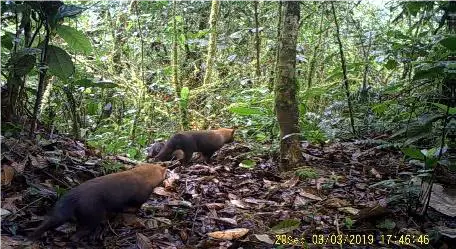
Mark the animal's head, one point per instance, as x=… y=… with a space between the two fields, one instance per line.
x=227 y=133
x=155 y=172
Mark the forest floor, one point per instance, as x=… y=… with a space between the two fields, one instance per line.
x=331 y=196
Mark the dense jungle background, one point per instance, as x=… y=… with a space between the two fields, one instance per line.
x=344 y=117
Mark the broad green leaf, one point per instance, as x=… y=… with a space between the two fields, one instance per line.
x=449 y=42
x=315 y=91
x=7 y=40
x=92 y=108
x=443 y=108
x=76 y=39
x=391 y=64
x=59 y=62
x=261 y=137
x=249 y=164
x=387 y=224
x=184 y=97
x=91 y=83
x=245 y=111
x=69 y=11
x=285 y=226
x=132 y=152
x=431 y=162
x=397 y=34
x=413 y=7
x=413 y=153
x=184 y=93
x=429 y=73
x=22 y=63
x=379 y=109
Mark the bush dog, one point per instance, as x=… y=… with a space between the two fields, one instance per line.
x=206 y=142
x=92 y=200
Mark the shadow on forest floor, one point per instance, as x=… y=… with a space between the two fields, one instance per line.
x=325 y=198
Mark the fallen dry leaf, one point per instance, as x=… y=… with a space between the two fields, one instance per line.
x=216 y=206
x=4 y=212
x=309 y=195
x=228 y=221
x=239 y=204
x=162 y=191
x=299 y=201
x=264 y=238
x=132 y=220
x=180 y=203
x=375 y=173
x=349 y=210
x=172 y=178
x=19 y=167
x=229 y=234
x=336 y=203
x=11 y=242
x=163 y=220
x=38 y=161
x=371 y=212
x=7 y=174
x=290 y=183
x=142 y=242
x=8 y=203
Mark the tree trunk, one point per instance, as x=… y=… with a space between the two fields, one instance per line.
x=286 y=89
x=177 y=83
x=74 y=112
x=313 y=60
x=211 y=53
x=276 y=62
x=257 y=42
x=344 y=70
x=42 y=78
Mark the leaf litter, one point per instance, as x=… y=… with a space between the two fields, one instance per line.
x=218 y=205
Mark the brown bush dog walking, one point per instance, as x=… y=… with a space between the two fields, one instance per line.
x=206 y=142
x=92 y=200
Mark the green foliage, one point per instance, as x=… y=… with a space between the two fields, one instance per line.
x=449 y=42
x=7 y=40
x=249 y=164
x=306 y=173
x=244 y=111
x=91 y=83
x=386 y=224
x=59 y=62
x=76 y=39
x=392 y=66
x=60 y=191
x=184 y=95
x=348 y=223
x=285 y=226
x=113 y=167
x=22 y=62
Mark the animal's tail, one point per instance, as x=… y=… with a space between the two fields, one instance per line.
x=62 y=212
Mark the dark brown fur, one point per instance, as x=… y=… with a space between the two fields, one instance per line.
x=93 y=199
x=206 y=142
x=155 y=148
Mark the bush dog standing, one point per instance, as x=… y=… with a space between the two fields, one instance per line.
x=92 y=200
x=206 y=142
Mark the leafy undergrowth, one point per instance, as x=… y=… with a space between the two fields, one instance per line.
x=330 y=195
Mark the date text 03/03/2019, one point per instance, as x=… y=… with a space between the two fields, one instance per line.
x=353 y=239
